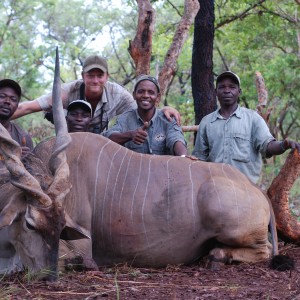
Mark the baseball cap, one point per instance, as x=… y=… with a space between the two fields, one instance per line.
x=229 y=74
x=12 y=84
x=95 y=62
x=146 y=77
x=84 y=104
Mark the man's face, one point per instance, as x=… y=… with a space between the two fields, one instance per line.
x=146 y=95
x=9 y=101
x=94 y=81
x=228 y=91
x=78 y=119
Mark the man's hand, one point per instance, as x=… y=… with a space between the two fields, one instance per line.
x=288 y=144
x=191 y=157
x=25 y=152
x=170 y=112
x=140 y=135
x=24 y=148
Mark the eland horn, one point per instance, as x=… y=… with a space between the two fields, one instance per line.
x=58 y=162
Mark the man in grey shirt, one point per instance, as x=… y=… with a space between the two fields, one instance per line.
x=146 y=129
x=236 y=135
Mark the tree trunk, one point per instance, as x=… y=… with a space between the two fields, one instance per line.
x=191 y=7
x=202 y=61
x=140 y=48
x=287 y=225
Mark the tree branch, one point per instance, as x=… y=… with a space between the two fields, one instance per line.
x=168 y=70
x=240 y=15
x=140 y=48
x=178 y=12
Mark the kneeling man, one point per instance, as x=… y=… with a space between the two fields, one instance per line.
x=146 y=129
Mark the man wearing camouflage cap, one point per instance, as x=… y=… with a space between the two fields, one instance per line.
x=146 y=129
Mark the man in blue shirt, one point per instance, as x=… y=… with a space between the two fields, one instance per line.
x=146 y=129
x=236 y=135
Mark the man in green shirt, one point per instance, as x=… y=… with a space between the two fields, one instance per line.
x=236 y=135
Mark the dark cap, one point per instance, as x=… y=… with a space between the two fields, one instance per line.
x=229 y=74
x=146 y=77
x=12 y=84
x=82 y=103
x=95 y=62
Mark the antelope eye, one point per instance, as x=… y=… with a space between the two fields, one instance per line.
x=29 y=226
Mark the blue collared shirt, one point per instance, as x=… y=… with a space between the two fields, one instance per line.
x=162 y=134
x=241 y=140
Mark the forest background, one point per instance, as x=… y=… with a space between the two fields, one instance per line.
x=249 y=36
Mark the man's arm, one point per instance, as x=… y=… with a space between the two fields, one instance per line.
x=26 y=108
x=174 y=138
x=201 y=148
x=171 y=112
x=279 y=147
x=42 y=103
x=180 y=149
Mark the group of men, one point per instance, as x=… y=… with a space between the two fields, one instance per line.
x=232 y=134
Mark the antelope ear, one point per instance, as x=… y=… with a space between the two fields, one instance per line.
x=8 y=214
x=73 y=231
x=7 y=217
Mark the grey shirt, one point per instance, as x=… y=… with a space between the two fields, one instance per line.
x=115 y=100
x=162 y=134
x=241 y=140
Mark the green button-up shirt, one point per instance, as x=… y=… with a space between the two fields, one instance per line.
x=241 y=140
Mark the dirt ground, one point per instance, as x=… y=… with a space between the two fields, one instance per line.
x=242 y=281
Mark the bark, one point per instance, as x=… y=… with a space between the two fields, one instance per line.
x=202 y=62
x=191 y=128
x=261 y=89
x=140 y=48
x=287 y=225
x=191 y=7
x=262 y=93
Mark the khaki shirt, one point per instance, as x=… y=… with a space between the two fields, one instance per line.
x=114 y=101
x=241 y=140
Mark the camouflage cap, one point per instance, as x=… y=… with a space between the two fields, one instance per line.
x=146 y=77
